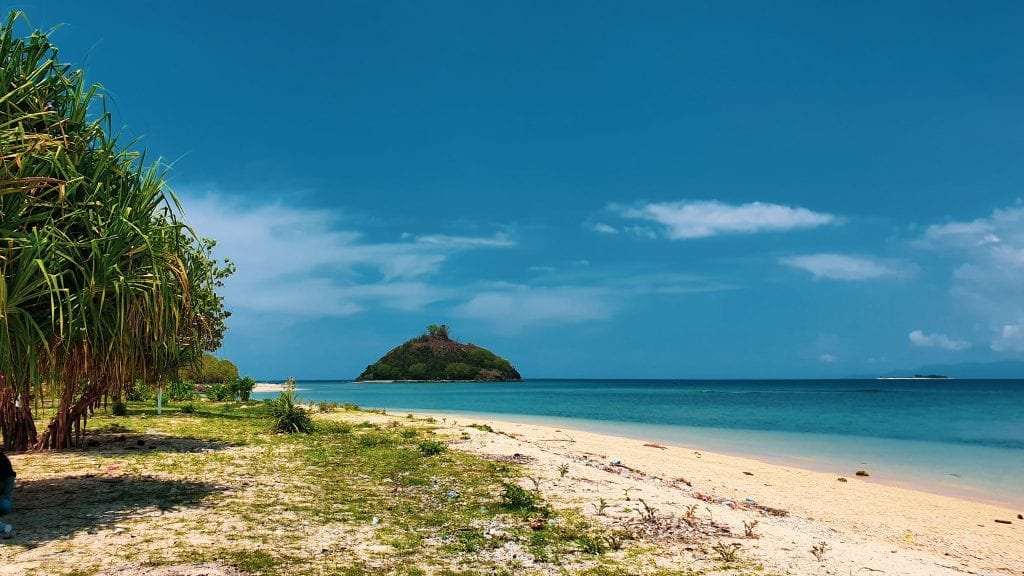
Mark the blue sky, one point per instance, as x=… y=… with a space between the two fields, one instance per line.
x=590 y=189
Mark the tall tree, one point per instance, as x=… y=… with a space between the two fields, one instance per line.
x=102 y=282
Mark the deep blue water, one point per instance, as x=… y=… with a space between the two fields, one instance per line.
x=955 y=435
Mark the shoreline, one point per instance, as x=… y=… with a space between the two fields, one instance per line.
x=866 y=524
x=878 y=473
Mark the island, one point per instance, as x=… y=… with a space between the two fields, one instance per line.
x=916 y=377
x=434 y=356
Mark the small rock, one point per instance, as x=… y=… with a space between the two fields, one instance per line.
x=1003 y=521
x=748 y=473
x=538 y=524
x=841 y=479
x=862 y=473
x=1020 y=516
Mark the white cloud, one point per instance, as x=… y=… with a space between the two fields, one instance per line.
x=510 y=308
x=828 y=359
x=702 y=219
x=583 y=298
x=988 y=275
x=604 y=228
x=1010 y=338
x=847 y=267
x=499 y=240
x=641 y=231
x=299 y=262
x=919 y=338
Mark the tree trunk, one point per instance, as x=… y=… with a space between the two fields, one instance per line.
x=16 y=423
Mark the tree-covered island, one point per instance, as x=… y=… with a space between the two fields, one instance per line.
x=435 y=356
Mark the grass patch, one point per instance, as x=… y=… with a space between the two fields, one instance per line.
x=351 y=497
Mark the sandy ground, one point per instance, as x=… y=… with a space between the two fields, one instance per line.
x=866 y=527
x=78 y=509
x=267 y=387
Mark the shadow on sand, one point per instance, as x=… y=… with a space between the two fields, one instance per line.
x=54 y=508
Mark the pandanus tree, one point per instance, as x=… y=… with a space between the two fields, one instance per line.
x=102 y=282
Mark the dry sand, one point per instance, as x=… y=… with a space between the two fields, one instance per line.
x=868 y=528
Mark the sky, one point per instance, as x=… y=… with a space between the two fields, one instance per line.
x=589 y=189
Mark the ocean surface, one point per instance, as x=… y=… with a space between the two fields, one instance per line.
x=958 y=437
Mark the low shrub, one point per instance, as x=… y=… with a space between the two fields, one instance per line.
x=118 y=408
x=287 y=416
x=181 y=390
x=241 y=388
x=220 y=392
x=432 y=447
x=515 y=498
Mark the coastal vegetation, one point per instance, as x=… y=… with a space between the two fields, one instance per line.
x=209 y=369
x=361 y=493
x=434 y=355
x=104 y=287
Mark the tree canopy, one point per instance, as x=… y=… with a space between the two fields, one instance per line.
x=435 y=356
x=102 y=281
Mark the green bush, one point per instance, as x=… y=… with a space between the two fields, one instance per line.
x=118 y=408
x=210 y=369
x=220 y=392
x=374 y=440
x=242 y=387
x=189 y=408
x=432 y=447
x=515 y=498
x=417 y=371
x=287 y=416
x=459 y=371
x=139 y=391
x=181 y=390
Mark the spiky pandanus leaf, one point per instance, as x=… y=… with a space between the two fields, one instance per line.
x=102 y=283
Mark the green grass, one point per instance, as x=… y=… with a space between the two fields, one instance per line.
x=387 y=483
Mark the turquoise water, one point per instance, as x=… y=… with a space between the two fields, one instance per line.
x=964 y=437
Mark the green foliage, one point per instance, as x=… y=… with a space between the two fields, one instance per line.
x=434 y=356
x=417 y=371
x=432 y=447
x=242 y=387
x=139 y=391
x=119 y=408
x=235 y=389
x=180 y=390
x=101 y=282
x=219 y=392
x=515 y=498
x=433 y=330
x=459 y=371
x=210 y=369
x=189 y=408
x=286 y=415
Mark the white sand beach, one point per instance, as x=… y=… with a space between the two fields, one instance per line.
x=860 y=526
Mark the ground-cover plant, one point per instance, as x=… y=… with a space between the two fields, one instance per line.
x=181 y=390
x=343 y=499
x=432 y=447
x=286 y=414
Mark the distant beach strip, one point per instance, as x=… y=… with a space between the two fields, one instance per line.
x=265 y=387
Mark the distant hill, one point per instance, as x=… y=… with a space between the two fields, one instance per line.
x=435 y=356
x=1006 y=369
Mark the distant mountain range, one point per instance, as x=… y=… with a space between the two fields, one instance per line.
x=1005 y=369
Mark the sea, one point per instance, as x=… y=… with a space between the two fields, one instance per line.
x=962 y=438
